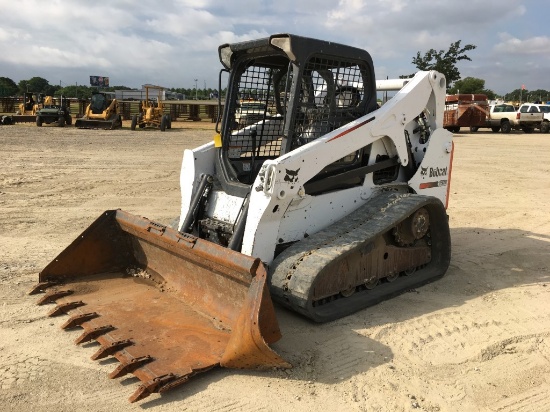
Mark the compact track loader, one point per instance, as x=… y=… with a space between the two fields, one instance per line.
x=328 y=204
x=151 y=113
x=102 y=113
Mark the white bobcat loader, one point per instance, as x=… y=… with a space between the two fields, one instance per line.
x=327 y=204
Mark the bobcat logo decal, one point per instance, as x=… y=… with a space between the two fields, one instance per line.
x=291 y=175
x=423 y=171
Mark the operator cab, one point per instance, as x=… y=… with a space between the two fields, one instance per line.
x=29 y=101
x=306 y=89
x=99 y=103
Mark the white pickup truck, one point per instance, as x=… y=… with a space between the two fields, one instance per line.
x=539 y=113
x=502 y=117
x=530 y=117
x=250 y=112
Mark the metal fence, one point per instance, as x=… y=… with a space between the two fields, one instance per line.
x=182 y=110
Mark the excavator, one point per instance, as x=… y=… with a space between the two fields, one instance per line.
x=152 y=113
x=102 y=113
x=326 y=205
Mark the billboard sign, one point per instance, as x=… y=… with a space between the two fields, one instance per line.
x=99 y=81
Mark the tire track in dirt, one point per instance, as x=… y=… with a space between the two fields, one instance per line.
x=467 y=342
x=537 y=399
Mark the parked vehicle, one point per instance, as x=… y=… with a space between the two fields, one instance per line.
x=152 y=112
x=102 y=113
x=536 y=110
x=59 y=114
x=328 y=206
x=503 y=118
x=249 y=112
x=26 y=112
x=465 y=110
x=530 y=117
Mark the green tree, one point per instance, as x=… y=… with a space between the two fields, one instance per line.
x=51 y=90
x=539 y=95
x=7 y=87
x=443 y=61
x=34 y=85
x=468 y=85
x=471 y=85
x=516 y=95
x=524 y=95
x=80 y=92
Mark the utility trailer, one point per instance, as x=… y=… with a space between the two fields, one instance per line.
x=465 y=110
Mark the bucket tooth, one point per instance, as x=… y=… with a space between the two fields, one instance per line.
x=78 y=319
x=152 y=386
x=130 y=366
x=176 y=382
x=53 y=295
x=65 y=307
x=107 y=350
x=94 y=333
x=41 y=287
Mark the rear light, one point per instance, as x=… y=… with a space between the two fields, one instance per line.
x=517 y=116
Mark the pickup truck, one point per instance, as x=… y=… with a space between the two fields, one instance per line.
x=502 y=117
x=250 y=112
x=536 y=111
x=530 y=117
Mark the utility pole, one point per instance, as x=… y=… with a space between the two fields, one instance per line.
x=196 y=88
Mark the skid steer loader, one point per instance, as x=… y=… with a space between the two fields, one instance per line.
x=328 y=204
x=102 y=113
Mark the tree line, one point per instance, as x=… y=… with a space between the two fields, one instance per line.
x=37 y=85
x=444 y=61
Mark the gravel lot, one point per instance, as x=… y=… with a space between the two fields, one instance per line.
x=476 y=340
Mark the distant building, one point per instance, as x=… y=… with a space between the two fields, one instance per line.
x=135 y=94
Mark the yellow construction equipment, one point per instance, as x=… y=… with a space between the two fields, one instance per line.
x=102 y=113
x=152 y=112
x=32 y=102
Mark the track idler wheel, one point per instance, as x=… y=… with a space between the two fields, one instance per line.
x=372 y=283
x=392 y=277
x=348 y=292
x=413 y=228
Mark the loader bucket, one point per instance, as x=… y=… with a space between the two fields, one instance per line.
x=165 y=304
x=112 y=123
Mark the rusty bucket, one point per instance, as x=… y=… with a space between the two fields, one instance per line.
x=166 y=305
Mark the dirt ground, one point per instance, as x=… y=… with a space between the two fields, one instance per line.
x=476 y=340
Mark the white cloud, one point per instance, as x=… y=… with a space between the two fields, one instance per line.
x=175 y=41
x=539 y=45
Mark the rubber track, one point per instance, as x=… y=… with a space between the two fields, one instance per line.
x=293 y=273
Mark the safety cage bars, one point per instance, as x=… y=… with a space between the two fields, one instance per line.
x=329 y=96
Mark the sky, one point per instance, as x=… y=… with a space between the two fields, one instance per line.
x=174 y=43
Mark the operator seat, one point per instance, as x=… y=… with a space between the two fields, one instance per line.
x=99 y=103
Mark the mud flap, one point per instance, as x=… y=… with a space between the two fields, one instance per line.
x=166 y=305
